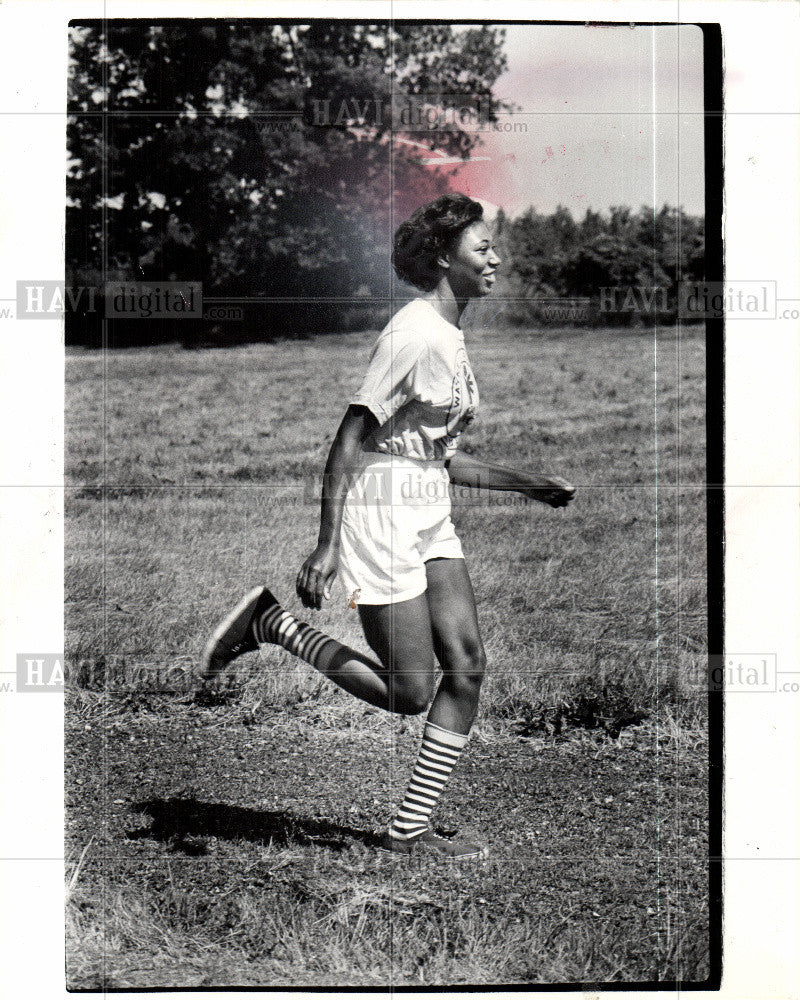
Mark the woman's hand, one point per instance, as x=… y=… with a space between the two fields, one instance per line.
x=316 y=576
x=554 y=491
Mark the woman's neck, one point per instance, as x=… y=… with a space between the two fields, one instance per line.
x=445 y=303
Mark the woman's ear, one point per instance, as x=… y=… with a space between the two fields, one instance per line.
x=443 y=261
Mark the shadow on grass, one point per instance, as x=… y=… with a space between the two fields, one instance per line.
x=183 y=823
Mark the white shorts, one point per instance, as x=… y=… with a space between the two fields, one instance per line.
x=396 y=518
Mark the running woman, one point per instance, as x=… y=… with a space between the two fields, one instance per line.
x=385 y=522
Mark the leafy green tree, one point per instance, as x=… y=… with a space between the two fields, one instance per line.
x=258 y=158
x=537 y=246
x=641 y=255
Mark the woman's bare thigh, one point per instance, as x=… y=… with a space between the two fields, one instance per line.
x=400 y=635
x=454 y=618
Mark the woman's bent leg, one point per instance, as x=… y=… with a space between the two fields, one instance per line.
x=400 y=636
x=401 y=681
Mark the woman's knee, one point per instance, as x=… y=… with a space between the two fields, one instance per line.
x=412 y=695
x=465 y=671
x=413 y=676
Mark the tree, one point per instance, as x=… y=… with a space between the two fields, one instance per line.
x=261 y=159
x=538 y=248
x=639 y=257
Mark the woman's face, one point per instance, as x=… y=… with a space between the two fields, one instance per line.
x=472 y=263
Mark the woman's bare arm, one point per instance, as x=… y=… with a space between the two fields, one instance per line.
x=466 y=470
x=319 y=570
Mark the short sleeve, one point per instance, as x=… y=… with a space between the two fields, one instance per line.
x=397 y=373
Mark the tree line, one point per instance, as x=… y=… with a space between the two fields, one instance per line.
x=624 y=266
x=270 y=164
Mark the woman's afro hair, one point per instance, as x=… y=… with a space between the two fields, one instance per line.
x=431 y=231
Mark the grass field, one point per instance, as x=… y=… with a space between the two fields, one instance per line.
x=594 y=620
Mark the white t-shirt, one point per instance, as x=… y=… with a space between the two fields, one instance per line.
x=419 y=385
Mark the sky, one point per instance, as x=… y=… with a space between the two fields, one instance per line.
x=598 y=122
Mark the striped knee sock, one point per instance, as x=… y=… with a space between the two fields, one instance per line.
x=437 y=757
x=279 y=627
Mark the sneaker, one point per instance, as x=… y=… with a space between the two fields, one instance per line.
x=235 y=634
x=451 y=848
